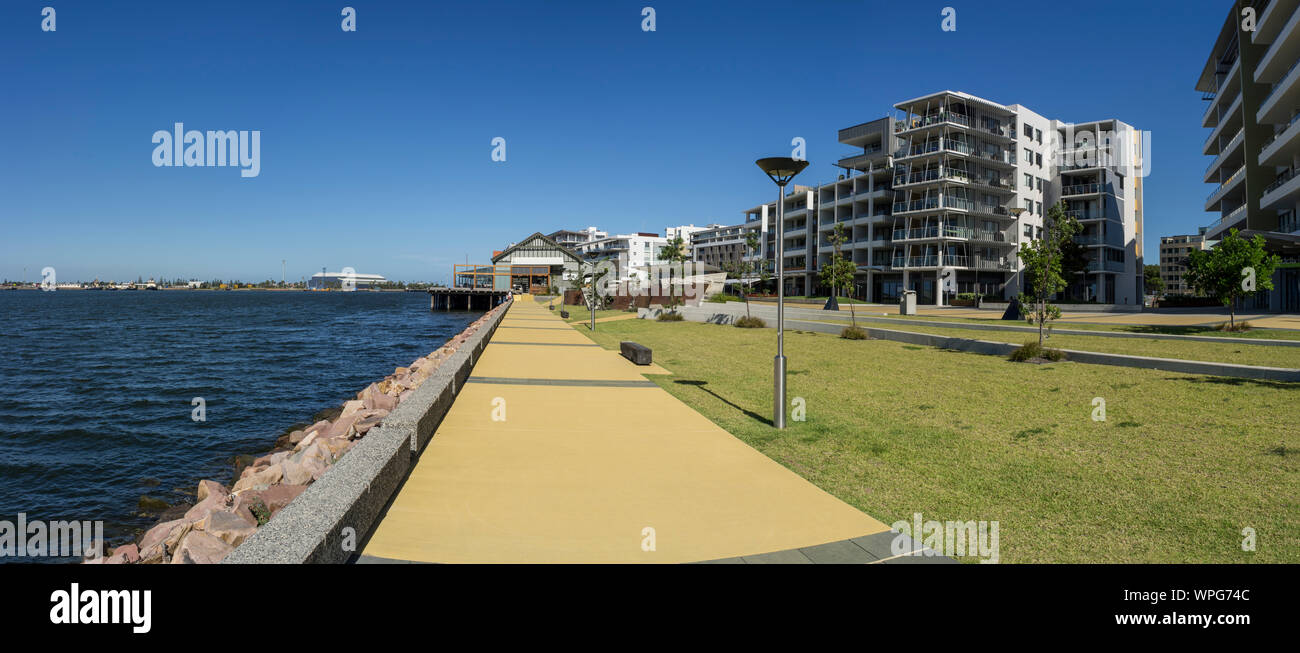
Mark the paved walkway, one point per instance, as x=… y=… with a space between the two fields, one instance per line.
x=590 y=456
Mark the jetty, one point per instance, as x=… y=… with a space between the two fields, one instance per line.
x=466 y=299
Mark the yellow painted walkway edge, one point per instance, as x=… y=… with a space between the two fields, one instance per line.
x=548 y=462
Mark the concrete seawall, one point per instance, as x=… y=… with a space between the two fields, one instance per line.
x=328 y=521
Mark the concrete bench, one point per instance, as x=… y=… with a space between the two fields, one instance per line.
x=639 y=354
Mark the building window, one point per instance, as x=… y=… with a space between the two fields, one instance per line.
x=1029 y=156
x=1038 y=160
x=1038 y=135
x=1029 y=181
x=1039 y=209
x=1029 y=231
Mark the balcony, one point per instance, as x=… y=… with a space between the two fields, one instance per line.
x=1081 y=189
x=1227 y=150
x=952 y=260
x=1217 y=194
x=874 y=157
x=1283 y=190
x=1278 y=148
x=1282 y=98
x=1272 y=20
x=1211 y=143
x=1226 y=222
x=1283 y=49
x=1105 y=266
x=951 y=174
x=941 y=118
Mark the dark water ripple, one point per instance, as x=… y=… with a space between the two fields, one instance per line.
x=95 y=386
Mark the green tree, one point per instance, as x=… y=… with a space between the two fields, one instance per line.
x=1151 y=280
x=746 y=267
x=839 y=272
x=1041 y=259
x=675 y=254
x=1233 y=269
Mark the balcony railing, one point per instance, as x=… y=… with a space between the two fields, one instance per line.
x=1232 y=142
x=1105 y=266
x=936 y=119
x=953 y=260
x=1226 y=182
x=1284 y=130
x=1286 y=176
x=1081 y=189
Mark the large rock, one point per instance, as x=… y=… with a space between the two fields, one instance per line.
x=267 y=477
x=200 y=547
x=295 y=473
x=231 y=528
x=174 y=539
x=201 y=509
x=152 y=542
x=127 y=552
x=279 y=496
x=343 y=426
x=351 y=407
x=374 y=399
x=209 y=488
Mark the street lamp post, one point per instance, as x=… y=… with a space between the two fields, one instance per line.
x=781 y=170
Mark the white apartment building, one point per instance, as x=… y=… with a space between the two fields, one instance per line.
x=687 y=234
x=1252 y=84
x=939 y=198
x=576 y=240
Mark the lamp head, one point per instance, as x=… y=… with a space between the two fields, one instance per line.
x=781 y=169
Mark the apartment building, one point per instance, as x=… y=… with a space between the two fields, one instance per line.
x=1174 y=251
x=687 y=234
x=1251 y=82
x=632 y=250
x=576 y=240
x=720 y=245
x=938 y=199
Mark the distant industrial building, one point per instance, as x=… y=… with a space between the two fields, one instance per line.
x=335 y=281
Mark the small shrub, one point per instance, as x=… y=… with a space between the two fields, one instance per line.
x=670 y=317
x=1032 y=351
x=854 y=333
x=1238 y=327
x=750 y=322
x=260 y=512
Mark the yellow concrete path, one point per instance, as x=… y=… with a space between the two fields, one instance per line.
x=590 y=456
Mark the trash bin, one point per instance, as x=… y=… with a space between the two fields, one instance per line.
x=907 y=303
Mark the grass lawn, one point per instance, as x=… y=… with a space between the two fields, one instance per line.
x=1268 y=334
x=581 y=314
x=1179 y=467
x=1218 y=352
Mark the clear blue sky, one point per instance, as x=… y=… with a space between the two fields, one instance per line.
x=376 y=145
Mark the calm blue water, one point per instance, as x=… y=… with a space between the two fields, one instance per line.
x=96 y=386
